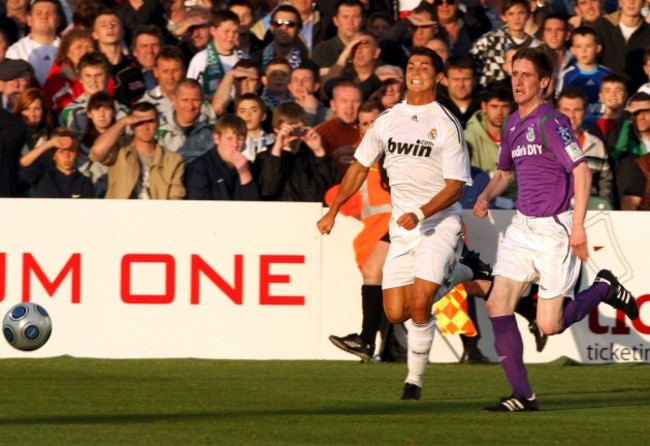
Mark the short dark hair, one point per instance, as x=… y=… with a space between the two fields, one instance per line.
x=101 y=99
x=278 y=61
x=436 y=60
x=94 y=59
x=573 y=92
x=106 y=11
x=170 y=52
x=250 y=97
x=144 y=106
x=613 y=78
x=288 y=111
x=310 y=66
x=248 y=63
x=540 y=59
x=221 y=16
x=350 y=3
x=584 y=31
x=507 y=4
x=498 y=90
x=232 y=122
x=370 y=105
x=148 y=30
x=460 y=63
x=555 y=16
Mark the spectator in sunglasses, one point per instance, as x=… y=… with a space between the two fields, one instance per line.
x=286 y=43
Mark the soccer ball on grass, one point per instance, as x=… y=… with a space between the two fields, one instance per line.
x=27 y=326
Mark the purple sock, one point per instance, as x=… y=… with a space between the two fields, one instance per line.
x=576 y=309
x=510 y=348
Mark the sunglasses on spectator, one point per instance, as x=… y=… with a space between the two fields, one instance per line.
x=287 y=23
x=440 y=2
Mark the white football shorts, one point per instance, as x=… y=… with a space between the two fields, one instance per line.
x=537 y=250
x=433 y=259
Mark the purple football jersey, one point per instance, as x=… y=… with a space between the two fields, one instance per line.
x=544 y=151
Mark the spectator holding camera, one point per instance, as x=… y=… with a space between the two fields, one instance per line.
x=223 y=173
x=141 y=168
x=297 y=168
x=50 y=168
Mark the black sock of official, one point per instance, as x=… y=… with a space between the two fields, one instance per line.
x=372 y=305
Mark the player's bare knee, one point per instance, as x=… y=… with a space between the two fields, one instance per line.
x=549 y=327
x=395 y=316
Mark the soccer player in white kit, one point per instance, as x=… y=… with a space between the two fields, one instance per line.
x=546 y=239
x=427 y=164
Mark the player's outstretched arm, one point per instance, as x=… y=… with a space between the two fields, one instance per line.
x=352 y=181
x=581 y=191
x=497 y=185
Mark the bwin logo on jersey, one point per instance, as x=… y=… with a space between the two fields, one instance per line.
x=420 y=148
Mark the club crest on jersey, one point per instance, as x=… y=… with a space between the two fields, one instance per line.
x=414 y=118
x=530 y=134
x=564 y=133
x=574 y=151
x=433 y=133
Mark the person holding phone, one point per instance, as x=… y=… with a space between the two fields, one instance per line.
x=297 y=168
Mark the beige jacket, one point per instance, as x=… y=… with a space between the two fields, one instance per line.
x=165 y=175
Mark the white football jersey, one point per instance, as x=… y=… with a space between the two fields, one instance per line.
x=424 y=145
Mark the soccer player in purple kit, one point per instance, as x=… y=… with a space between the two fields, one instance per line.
x=546 y=239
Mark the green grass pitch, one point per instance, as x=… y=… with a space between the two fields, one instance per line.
x=68 y=401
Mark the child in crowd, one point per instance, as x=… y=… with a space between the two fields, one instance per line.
x=276 y=83
x=223 y=173
x=250 y=107
x=613 y=94
x=101 y=115
x=94 y=74
x=54 y=175
x=297 y=168
x=489 y=50
x=586 y=73
x=210 y=65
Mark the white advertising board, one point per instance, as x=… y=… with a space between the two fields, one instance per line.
x=234 y=280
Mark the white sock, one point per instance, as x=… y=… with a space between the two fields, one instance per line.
x=420 y=338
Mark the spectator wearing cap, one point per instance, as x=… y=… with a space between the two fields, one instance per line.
x=348 y=21
x=15 y=77
x=39 y=48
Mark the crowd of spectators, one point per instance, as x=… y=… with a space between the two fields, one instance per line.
x=259 y=99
